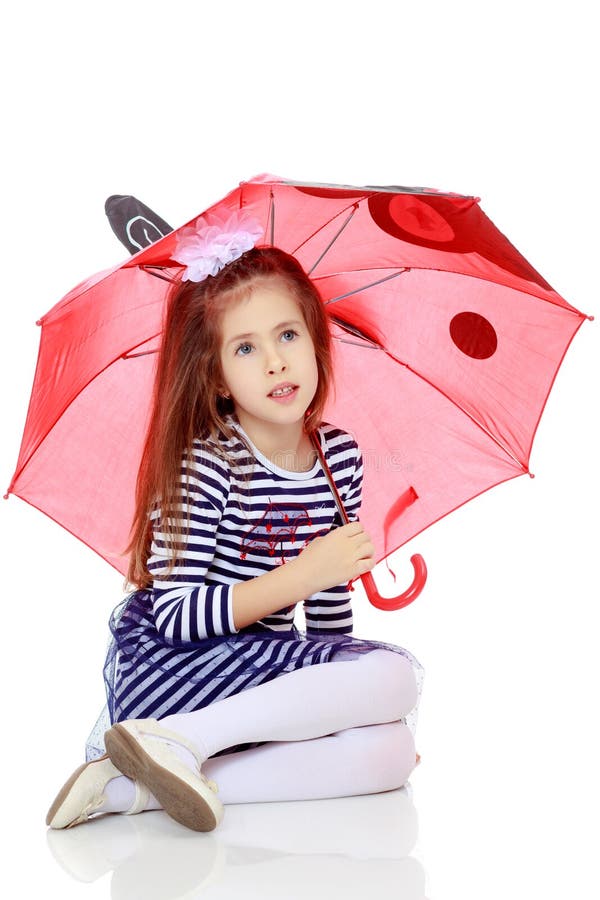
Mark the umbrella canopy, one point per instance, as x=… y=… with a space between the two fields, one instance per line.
x=446 y=345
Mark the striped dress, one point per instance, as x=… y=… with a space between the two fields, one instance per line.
x=174 y=646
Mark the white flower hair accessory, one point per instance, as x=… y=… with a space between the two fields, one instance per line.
x=214 y=241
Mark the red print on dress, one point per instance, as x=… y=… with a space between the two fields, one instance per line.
x=277 y=527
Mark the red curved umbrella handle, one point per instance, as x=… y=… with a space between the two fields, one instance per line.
x=418 y=563
x=410 y=594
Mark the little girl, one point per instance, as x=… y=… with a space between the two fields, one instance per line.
x=210 y=685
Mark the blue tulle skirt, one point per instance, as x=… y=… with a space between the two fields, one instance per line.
x=145 y=677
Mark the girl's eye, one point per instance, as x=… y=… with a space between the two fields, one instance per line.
x=246 y=344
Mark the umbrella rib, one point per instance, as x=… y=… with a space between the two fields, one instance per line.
x=149 y=270
x=353 y=206
x=521 y=289
x=362 y=344
x=127 y=354
x=271 y=217
x=135 y=355
x=366 y=286
x=333 y=239
x=565 y=306
x=366 y=340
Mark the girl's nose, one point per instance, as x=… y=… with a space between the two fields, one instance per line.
x=275 y=359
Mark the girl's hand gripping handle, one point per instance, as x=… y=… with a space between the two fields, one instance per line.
x=340 y=556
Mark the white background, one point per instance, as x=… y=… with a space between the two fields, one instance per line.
x=176 y=103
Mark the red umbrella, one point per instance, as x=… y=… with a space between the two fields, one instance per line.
x=446 y=343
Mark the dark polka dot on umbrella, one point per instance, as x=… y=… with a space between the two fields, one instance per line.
x=426 y=221
x=420 y=219
x=474 y=335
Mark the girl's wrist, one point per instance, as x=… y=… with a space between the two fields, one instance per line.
x=299 y=570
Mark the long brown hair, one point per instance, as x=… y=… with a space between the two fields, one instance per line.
x=186 y=404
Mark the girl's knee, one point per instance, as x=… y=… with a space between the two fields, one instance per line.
x=384 y=754
x=398 y=755
x=395 y=681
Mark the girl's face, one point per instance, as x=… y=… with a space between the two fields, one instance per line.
x=277 y=347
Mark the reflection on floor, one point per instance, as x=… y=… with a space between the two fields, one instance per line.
x=348 y=846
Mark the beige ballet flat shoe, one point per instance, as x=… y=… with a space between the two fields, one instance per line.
x=184 y=793
x=83 y=794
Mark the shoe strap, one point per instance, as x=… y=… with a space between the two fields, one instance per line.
x=152 y=726
x=142 y=795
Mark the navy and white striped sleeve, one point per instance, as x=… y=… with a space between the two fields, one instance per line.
x=186 y=607
x=353 y=498
x=331 y=610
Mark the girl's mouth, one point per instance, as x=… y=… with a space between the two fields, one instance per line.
x=285 y=398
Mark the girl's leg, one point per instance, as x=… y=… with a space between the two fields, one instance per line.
x=364 y=760
x=377 y=687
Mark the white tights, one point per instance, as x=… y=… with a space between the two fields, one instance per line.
x=332 y=728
